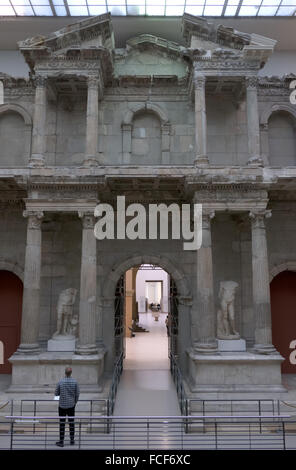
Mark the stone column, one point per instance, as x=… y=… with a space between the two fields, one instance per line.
x=92 y=119
x=200 y=121
x=126 y=143
x=39 y=124
x=253 y=121
x=261 y=290
x=88 y=281
x=205 y=321
x=165 y=143
x=31 y=293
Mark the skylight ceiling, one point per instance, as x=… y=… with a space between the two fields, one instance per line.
x=227 y=8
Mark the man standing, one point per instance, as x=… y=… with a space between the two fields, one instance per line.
x=68 y=391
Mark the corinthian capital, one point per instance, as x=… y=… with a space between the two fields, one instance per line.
x=252 y=82
x=93 y=81
x=40 y=81
x=258 y=217
x=199 y=81
x=88 y=219
x=34 y=219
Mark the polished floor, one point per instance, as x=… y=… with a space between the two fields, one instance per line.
x=146 y=387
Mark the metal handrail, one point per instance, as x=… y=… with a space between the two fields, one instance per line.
x=178 y=380
x=156 y=417
x=114 y=384
x=36 y=401
x=156 y=432
x=275 y=404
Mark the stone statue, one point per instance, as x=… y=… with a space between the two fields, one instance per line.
x=225 y=317
x=67 y=323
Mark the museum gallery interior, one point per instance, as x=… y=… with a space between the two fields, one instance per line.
x=170 y=110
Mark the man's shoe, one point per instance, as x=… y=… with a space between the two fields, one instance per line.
x=72 y=443
x=60 y=444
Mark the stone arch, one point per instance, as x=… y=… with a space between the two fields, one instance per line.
x=15 y=268
x=273 y=108
x=287 y=266
x=164 y=263
x=23 y=150
x=17 y=109
x=127 y=126
x=137 y=108
x=264 y=128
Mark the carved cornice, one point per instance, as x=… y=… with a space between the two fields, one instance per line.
x=219 y=34
x=73 y=35
x=274 y=85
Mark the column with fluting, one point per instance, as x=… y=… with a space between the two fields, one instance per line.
x=39 y=123
x=31 y=293
x=261 y=289
x=88 y=279
x=205 y=323
x=92 y=118
x=200 y=120
x=253 y=121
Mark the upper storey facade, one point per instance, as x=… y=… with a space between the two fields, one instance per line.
x=154 y=103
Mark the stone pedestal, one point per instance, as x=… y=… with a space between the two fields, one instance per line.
x=226 y=345
x=234 y=372
x=39 y=373
x=61 y=343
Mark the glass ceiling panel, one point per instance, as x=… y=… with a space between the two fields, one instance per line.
x=210 y=8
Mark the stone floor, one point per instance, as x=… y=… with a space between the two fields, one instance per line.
x=146 y=387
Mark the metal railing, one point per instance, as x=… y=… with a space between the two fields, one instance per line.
x=114 y=384
x=34 y=407
x=143 y=432
x=178 y=380
x=233 y=407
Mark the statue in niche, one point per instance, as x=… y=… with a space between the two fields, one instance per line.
x=225 y=317
x=67 y=322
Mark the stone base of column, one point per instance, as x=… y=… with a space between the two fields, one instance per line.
x=40 y=372
x=28 y=349
x=36 y=161
x=234 y=372
x=256 y=161
x=201 y=161
x=90 y=160
x=265 y=349
x=87 y=349
x=206 y=348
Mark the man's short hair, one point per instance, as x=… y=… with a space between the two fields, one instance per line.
x=68 y=371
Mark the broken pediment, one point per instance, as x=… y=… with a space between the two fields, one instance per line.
x=150 y=55
x=92 y=34
x=206 y=37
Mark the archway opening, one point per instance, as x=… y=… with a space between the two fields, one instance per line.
x=146 y=334
x=283 y=301
x=11 y=294
x=146 y=317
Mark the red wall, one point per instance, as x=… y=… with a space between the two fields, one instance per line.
x=11 y=293
x=283 y=311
